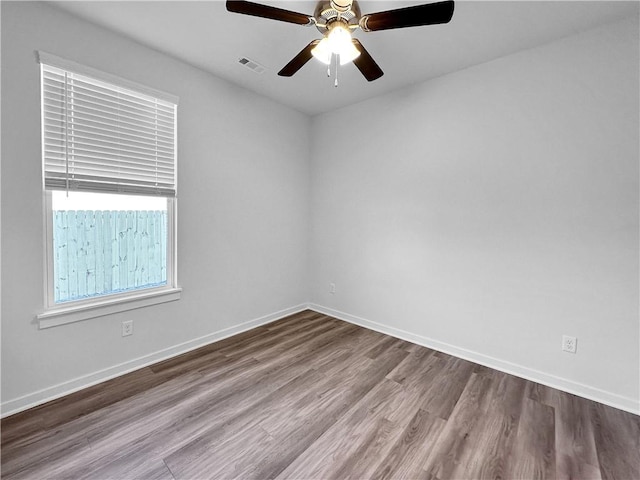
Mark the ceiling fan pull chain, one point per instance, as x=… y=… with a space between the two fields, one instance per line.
x=329 y=68
x=335 y=84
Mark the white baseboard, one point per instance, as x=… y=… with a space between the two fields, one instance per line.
x=592 y=393
x=51 y=393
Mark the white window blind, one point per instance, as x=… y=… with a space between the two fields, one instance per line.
x=99 y=136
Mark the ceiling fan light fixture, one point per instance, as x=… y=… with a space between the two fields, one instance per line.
x=322 y=51
x=338 y=42
x=341 y=44
x=349 y=54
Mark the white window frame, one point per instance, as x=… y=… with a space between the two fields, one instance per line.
x=55 y=314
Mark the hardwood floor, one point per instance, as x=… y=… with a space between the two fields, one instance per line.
x=310 y=396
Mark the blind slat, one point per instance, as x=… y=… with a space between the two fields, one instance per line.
x=101 y=163
x=128 y=144
x=103 y=137
x=80 y=118
x=91 y=121
x=54 y=124
x=58 y=143
x=107 y=96
x=89 y=101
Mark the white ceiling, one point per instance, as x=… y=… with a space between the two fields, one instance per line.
x=204 y=34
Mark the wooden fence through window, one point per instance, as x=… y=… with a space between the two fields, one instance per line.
x=99 y=252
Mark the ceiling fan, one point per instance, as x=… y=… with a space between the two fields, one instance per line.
x=336 y=20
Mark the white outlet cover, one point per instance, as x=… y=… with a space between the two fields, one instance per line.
x=127 y=328
x=569 y=344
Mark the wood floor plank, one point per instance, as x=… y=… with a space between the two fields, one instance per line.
x=233 y=392
x=190 y=393
x=211 y=409
x=296 y=342
x=131 y=466
x=203 y=411
x=489 y=443
x=124 y=434
x=329 y=400
x=385 y=344
x=576 y=455
x=309 y=344
x=297 y=319
x=420 y=367
x=406 y=457
x=273 y=338
x=443 y=392
x=39 y=458
x=21 y=425
x=617 y=440
x=453 y=446
x=533 y=454
x=357 y=436
x=312 y=397
x=206 y=455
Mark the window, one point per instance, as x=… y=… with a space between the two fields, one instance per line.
x=109 y=178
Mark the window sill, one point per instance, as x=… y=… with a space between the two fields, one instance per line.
x=76 y=313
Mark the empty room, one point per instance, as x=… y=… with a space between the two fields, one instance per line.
x=311 y=240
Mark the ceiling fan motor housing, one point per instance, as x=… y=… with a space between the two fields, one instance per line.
x=341 y=5
x=326 y=14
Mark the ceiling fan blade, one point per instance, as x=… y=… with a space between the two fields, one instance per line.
x=298 y=61
x=418 y=15
x=366 y=64
x=265 y=11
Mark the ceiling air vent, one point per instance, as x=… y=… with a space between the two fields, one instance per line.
x=255 y=66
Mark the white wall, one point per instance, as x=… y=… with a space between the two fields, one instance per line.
x=242 y=221
x=491 y=211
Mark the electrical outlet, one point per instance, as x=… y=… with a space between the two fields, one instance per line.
x=127 y=328
x=569 y=344
x=332 y=288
